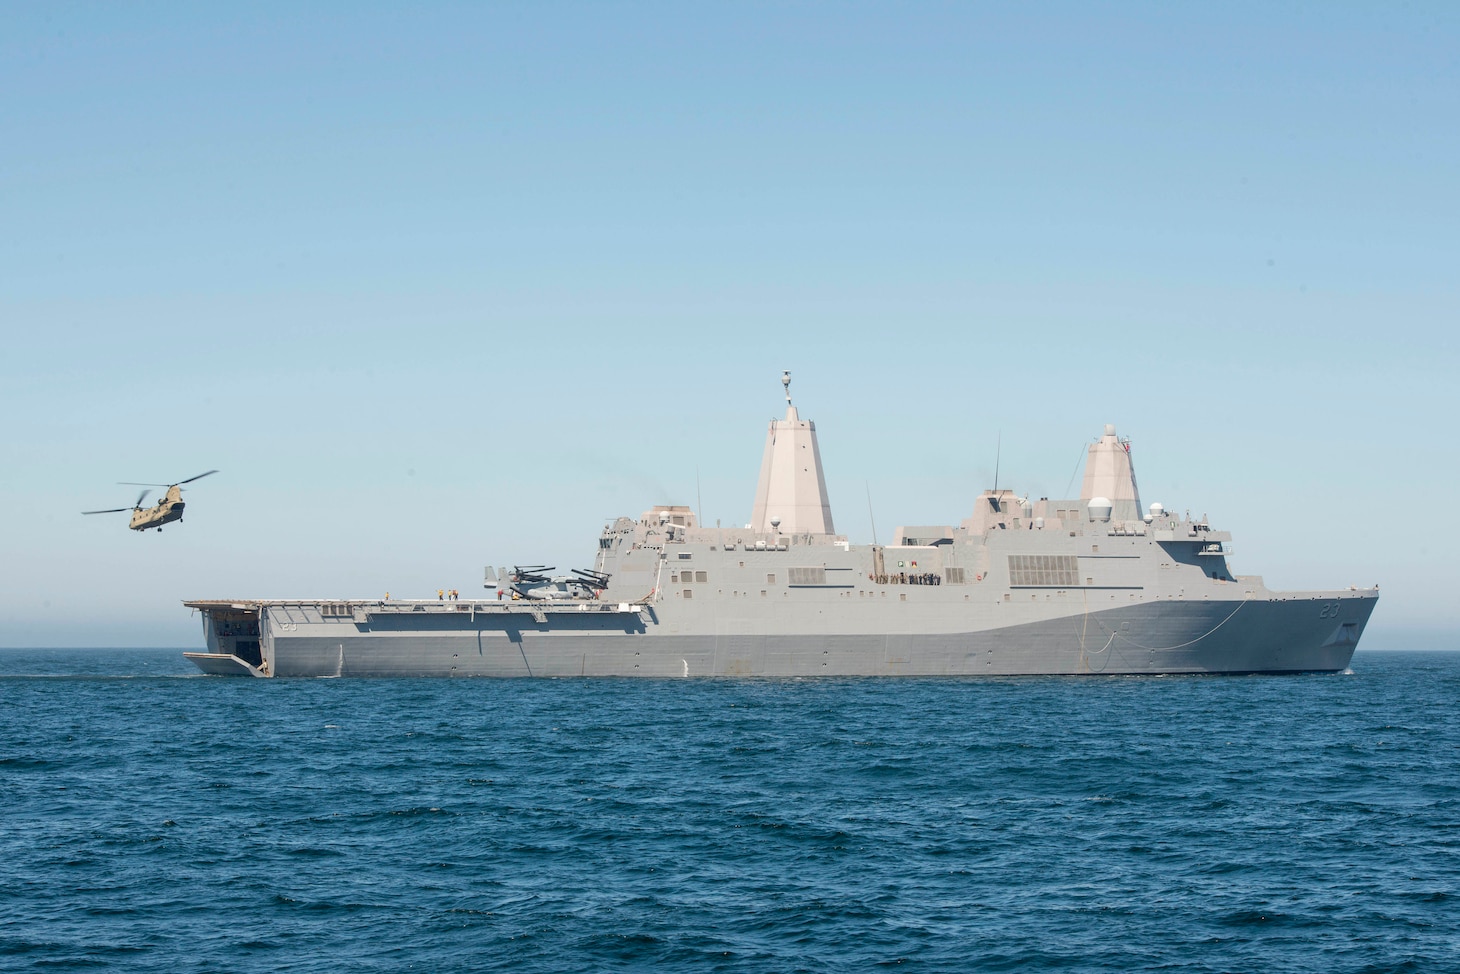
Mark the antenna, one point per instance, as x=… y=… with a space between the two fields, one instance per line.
x=786 y=381
x=870 y=516
x=998 y=453
x=699 y=500
x=1070 y=486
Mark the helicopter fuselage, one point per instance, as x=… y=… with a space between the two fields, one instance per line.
x=165 y=511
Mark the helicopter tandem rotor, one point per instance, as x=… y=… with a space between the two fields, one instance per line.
x=116 y=510
x=168 y=509
x=134 y=483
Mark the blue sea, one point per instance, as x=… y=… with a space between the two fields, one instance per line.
x=156 y=820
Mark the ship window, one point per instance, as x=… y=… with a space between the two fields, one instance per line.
x=684 y=556
x=701 y=577
x=689 y=593
x=770 y=579
x=762 y=592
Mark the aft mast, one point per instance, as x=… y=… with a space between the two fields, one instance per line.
x=1110 y=476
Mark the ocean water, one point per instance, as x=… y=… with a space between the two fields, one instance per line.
x=154 y=820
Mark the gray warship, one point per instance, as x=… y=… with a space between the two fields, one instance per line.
x=1093 y=585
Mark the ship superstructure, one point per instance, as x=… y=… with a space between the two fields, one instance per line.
x=1095 y=584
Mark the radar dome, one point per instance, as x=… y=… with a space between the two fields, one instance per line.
x=1109 y=429
x=1100 y=508
x=1157 y=510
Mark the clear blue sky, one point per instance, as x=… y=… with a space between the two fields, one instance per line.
x=441 y=285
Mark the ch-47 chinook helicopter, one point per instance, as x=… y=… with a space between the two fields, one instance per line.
x=165 y=511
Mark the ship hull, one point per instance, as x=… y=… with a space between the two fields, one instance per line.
x=1315 y=632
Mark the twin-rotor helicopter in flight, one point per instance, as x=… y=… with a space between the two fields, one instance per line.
x=165 y=511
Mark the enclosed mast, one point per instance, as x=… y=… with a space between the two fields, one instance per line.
x=790 y=497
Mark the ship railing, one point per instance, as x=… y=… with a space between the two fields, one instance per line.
x=506 y=607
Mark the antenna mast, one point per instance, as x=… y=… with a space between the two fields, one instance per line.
x=998 y=452
x=870 y=516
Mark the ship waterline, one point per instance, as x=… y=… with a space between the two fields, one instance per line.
x=1094 y=585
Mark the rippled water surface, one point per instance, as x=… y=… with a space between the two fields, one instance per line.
x=160 y=821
